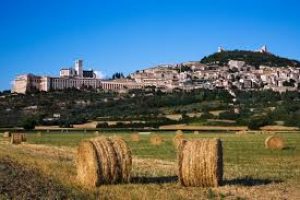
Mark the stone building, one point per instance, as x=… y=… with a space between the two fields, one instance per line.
x=69 y=78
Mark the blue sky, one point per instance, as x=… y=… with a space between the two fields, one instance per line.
x=122 y=36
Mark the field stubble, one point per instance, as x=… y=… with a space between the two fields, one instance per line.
x=250 y=170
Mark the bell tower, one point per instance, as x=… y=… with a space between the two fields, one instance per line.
x=78 y=68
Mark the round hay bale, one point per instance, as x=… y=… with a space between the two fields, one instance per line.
x=24 y=139
x=18 y=138
x=274 y=142
x=107 y=161
x=156 y=139
x=196 y=132
x=103 y=161
x=7 y=134
x=124 y=158
x=177 y=139
x=179 y=132
x=200 y=163
x=135 y=137
x=88 y=171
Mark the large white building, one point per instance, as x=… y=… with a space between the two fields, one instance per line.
x=74 y=77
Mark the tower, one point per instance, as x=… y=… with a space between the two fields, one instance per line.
x=78 y=68
x=220 y=49
x=263 y=49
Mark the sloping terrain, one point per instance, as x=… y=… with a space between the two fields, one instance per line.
x=18 y=182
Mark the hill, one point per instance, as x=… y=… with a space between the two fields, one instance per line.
x=150 y=109
x=251 y=58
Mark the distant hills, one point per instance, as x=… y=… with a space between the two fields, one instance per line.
x=250 y=57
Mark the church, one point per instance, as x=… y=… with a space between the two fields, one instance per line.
x=73 y=77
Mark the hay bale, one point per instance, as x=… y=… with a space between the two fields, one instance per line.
x=107 y=161
x=179 y=132
x=7 y=134
x=156 y=139
x=135 y=137
x=87 y=164
x=18 y=138
x=177 y=139
x=124 y=158
x=103 y=161
x=196 y=132
x=200 y=163
x=274 y=142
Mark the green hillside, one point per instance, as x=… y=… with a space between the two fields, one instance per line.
x=251 y=58
x=75 y=107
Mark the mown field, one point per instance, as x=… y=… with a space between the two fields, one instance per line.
x=250 y=170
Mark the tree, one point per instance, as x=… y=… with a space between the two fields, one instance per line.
x=102 y=125
x=290 y=83
x=257 y=122
x=29 y=124
x=118 y=75
x=251 y=58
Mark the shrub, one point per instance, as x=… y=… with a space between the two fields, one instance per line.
x=256 y=123
x=230 y=115
x=29 y=124
x=102 y=125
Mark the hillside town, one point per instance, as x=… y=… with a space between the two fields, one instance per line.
x=187 y=76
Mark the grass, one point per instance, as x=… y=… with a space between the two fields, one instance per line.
x=250 y=170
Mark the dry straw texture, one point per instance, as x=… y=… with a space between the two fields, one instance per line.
x=18 y=138
x=6 y=134
x=156 y=139
x=177 y=139
x=274 y=142
x=124 y=157
x=103 y=161
x=135 y=137
x=200 y=163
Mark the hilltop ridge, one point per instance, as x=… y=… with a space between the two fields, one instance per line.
x=230 y=70
x=253 y=58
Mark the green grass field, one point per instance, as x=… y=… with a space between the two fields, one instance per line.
x=250 y=170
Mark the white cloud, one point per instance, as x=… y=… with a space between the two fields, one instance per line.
x=100 y=74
